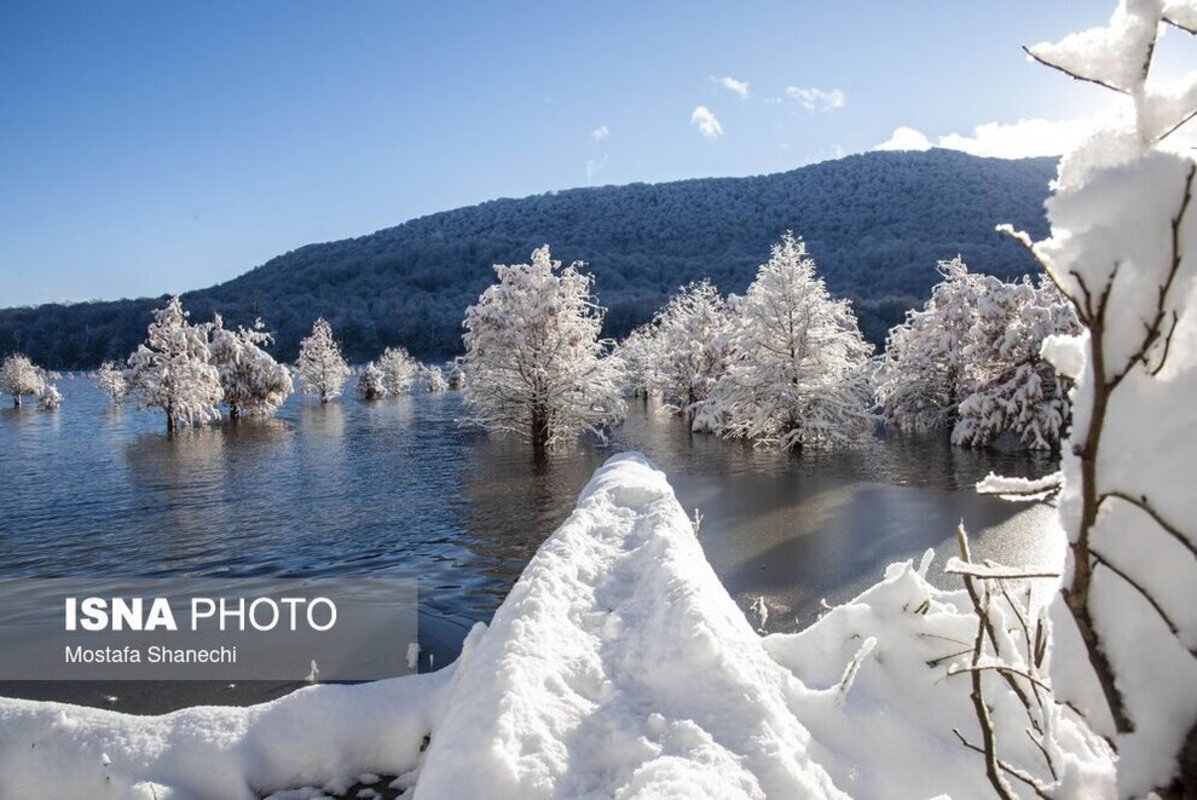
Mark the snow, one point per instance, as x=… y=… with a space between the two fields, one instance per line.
x=618 y=666
x=309 y=738
x=1023 y=489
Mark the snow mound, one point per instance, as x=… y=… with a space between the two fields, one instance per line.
x=619 y=667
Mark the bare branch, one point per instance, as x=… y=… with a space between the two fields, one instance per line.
x=1071 y=74
x=1100 y=559
x=1141 y=502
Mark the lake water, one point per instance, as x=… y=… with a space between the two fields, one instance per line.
x=399 y=488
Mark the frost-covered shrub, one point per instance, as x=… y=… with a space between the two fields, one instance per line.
x=254 y=383
x=110 y=379
x=20 y=376
x=801 y=374
x=371 y=383
x=322 y=368
x=534 y=355
x=172 y=370
x=399 y=370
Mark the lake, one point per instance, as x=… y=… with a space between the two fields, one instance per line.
x=399 y=488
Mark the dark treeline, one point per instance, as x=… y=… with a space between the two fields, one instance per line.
x=876 y=223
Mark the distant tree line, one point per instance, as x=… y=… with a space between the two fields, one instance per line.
x=877 y=222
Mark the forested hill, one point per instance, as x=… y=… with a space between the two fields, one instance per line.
x=875 y=223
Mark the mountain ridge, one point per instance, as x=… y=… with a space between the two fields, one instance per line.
x=875 y=223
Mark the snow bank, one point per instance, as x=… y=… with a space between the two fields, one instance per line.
x=896 y=649
x=311 y=737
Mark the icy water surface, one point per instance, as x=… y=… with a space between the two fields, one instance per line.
x=398 y=488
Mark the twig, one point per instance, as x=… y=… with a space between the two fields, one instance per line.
x=1036 y=787
x=1143 y=504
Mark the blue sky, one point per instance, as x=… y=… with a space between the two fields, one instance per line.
x=157 y=147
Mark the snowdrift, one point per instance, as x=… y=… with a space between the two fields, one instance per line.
x=618 y=666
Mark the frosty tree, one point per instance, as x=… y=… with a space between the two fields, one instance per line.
x=1013 y=387
x=637 y=357
x=322 y=368
x=801 y=374
x=692 y=345
x=434 y=380
x=172 y=370
x=1121 y=250
x=50 y=398
x=19 y=376
x=534 y=355
x=923 y=375
x=110 y=379
x=371 y=383
x=399 y=370
x=254 y=383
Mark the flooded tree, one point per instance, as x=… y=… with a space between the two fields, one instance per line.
x=801 y=375
x=322 y=368
x=254 y=383
x=534 y=356
x=173 y=370
x=20 y=376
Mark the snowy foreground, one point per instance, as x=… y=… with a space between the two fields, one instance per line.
x=618 y=666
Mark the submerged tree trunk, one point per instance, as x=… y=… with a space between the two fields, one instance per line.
x=540 y=427
x=16 y=400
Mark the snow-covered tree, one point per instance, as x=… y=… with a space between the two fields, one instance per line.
x=173 y=370
x=50 y=398
x=110 y=379
x=534 y=356
x=19 y=376
x=636 y=357
x=802 y=374
x=399 y=369
x=1013 y=388
x=457 y=377
x=371 y=383
x=434 y=380
x=1123 y=250
x=322 y=368
x=923 y=375
x=254 y=383
x=692 y=346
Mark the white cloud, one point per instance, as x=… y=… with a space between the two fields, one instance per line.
x=706 y=122
x=732 y=85
x=904 y=138
x=1023 y=139
x=600 y=133
x=816 y=99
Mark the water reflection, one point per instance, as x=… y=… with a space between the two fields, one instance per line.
x=398 y=487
